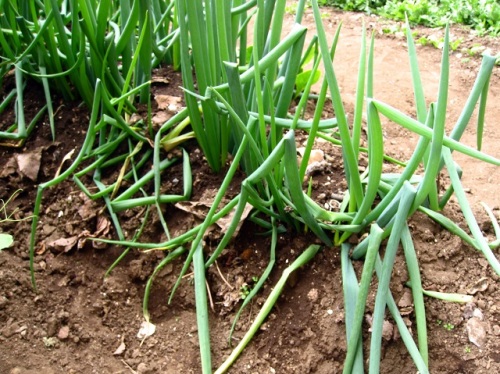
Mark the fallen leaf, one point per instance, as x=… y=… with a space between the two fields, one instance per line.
x=67 y=157
x=121 y=348
x=476 y=331
x=29 y=164
x=9 y=168
x=480 y=286
x=316 y=155
x=160 y=118
x=63 y=244
x=168 y=102
x=6 y=241
x=103 y=226
x=196 y=208
x=159 y=79
x=88 y=209
x=224 y=222
x=41 y=249
x=200 y=210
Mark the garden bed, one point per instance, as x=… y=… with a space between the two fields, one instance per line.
x=79 y=322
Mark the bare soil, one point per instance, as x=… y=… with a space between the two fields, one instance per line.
x=81 y=322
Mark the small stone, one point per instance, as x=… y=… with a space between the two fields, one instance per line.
x=142 y=368
x=469 y=310
x=313 y=294
x=3 y=302
x=496 y=330
x=478 y=314
x=476 y=331
x=387 y=331
x=63 y=333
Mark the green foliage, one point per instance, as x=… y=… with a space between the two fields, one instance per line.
x=68 y=45
x=481 y=15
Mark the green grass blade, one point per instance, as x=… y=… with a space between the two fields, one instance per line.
x=89 y=140
x=406 y=336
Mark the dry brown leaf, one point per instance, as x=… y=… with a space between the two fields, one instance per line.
x=161 y=117
x=121 y=348
x=29 y=164
x=224 y=222
x=9 y=168
x=171 y=103
x=63 y=244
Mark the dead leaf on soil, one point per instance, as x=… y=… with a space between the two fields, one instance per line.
x=224 y=222
x=317 y=155
x=160 y=118
x=200 y=210
x=9 y=168
x=476 y=331
x=171 y=103
x=480 y=286
x=29 y=164
x=88 y=209
x=159 y=79
x=67 y=157
x=63 y=244
x=121 y=348
x=41 y=249
x=103 y=227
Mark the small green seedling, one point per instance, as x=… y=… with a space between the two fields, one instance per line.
x=448 y=326
x=244 y=291
x=245 y=288
x=6 y=239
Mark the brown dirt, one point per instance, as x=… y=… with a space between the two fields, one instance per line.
x=78 y=319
